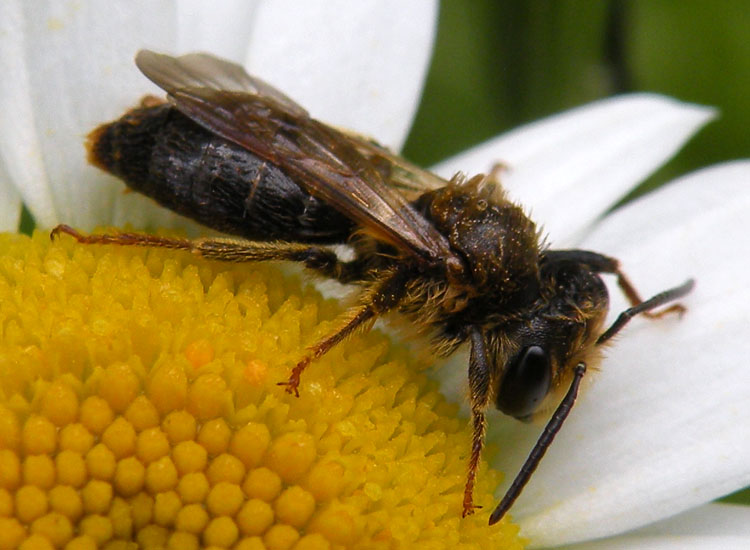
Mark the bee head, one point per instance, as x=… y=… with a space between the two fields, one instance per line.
x=553 y=343
x=539 y=354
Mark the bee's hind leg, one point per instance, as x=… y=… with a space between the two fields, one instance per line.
x=385 y=292
x=124 y=239
x=320 y=259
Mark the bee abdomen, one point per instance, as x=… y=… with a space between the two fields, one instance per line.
x=161 y=153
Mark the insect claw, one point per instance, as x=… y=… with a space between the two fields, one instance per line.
x=677 y=309
x=469 y=506
x=469 y=509
x=62 y=228
x=291 y=385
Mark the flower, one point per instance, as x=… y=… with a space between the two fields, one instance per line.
x=139 y=402
x=660 y=430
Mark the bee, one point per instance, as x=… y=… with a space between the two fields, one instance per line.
x=456 y=256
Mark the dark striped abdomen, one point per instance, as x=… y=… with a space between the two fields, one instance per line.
x=161 y=153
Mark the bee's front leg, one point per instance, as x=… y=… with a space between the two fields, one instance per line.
x=479 y=389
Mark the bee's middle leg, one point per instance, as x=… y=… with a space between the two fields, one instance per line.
x=385 y=294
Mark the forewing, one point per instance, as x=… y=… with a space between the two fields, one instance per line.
x=408 y=178
x=202 y=70
x=324 y=161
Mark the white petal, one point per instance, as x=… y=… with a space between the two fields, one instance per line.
x=20 y=158
x=664 y=426
x=222 y=27
x=358 y=65
x=75 y=67
x=709 y=527
x=708 y=520
x=571 y=168
x=628 y=542
x=10 y=203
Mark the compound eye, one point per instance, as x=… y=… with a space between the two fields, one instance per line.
x=525 y=383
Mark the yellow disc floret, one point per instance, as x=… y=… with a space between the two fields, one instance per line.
x=179 y=426
x=193 y=487
x=226 y=467
x=60 y=404
x=214 y=435
x=152 y=444
x=67 y=501
x=262 y=483
x=189 y=457
x=31 y=503
x=192 y=518
x=139 y=408
x=71 y=468
x=39 y=435
x=161 y=475
x=120 y=438
x=166 y=507
x=76 y=438
x=224 y=499
x=96 y=414
x=101 y=462
x=39 y=470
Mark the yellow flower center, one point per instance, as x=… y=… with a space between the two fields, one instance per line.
x=139 y=406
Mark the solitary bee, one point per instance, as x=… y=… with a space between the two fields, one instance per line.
x=457 y=257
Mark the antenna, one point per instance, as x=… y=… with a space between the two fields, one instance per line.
x=542 y=444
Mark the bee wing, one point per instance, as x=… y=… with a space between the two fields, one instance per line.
x=202 y=70
x=398 y=172
x=324 y=161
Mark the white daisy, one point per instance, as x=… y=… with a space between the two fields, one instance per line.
x=662 y=428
